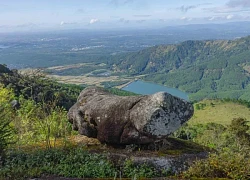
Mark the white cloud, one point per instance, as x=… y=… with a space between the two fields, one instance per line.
x=233 y=6
x=183 y=18
x=230 y=16
x=212 y=18
x=63 y=23
x=92 y=21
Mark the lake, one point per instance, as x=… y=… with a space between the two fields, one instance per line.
x=145 y=88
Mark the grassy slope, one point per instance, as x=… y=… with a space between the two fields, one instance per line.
x=221 y=112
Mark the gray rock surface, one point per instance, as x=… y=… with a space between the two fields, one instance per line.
x=128 y=120
x=168 y=163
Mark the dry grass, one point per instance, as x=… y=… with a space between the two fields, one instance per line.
x=83 y=79
x=64 y=67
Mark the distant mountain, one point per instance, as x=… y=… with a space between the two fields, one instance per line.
x=205 y=69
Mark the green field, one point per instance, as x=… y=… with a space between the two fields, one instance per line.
x=217 y=111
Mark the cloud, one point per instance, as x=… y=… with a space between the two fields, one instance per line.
x=232 y=6
x=187 y=8
x=93 y=21
x=121 y=2
x=184 y=18
x=226 y=10
x=122 y=20
x=162 y=20
x=238 y=3
x=141 y=21
x=80 y=11
x=114 y=17
x=67 y=23
x=230 y=16
x=145 y=15
x=128 y=1
x=26 y=25
x=212 y=18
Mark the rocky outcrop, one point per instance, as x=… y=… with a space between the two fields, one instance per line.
x=128 y=120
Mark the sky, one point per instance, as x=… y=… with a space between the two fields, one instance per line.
x=112 y=14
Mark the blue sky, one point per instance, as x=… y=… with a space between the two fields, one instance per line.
x=63 y=14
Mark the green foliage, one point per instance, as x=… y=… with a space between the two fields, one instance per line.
x=70 y=162
x=6 y=131
x=62 y=162
x=132 y=170
x=222 y=165
x=110 y=84
x=41 y=89
x=239 y=101
x=4 y=69
x=199 y=106
x=232 y=145
x=240 y=133
x=120 y=92
x=40 y=122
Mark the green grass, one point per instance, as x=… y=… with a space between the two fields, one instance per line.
x=217 y=111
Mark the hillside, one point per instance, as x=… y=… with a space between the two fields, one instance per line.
x=4 y=69
x=205 y=69
x=217 y=111
x=37 y=139
x=34 y=85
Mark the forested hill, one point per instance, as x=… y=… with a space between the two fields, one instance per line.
x=4 y=69
x=212 y=69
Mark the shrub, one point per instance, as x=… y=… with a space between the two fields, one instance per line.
x=6 y=131
x=132 y=170
x=232 y=157
x=61 y=162
x=222 y=165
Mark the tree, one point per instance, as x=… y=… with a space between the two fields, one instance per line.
x=239 y=129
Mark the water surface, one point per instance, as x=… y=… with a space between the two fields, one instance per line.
x=145 y=88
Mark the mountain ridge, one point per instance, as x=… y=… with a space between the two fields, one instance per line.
x=203 y=68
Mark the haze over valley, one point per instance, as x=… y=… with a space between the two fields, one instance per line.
x=196 y=59
x=55 y=48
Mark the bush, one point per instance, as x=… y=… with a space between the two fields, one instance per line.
x=40 y=122
x=61 y=162
x=132 y=170
x=222 y=165
x=232 y=157
x=6 y=131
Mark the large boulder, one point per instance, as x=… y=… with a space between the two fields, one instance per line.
x=116 y=119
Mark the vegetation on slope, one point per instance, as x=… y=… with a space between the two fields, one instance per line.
x=232 y=144
x=43 y=125
x=211 y=69
x=40 y=89
x=221 y=125
x=219 y=111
